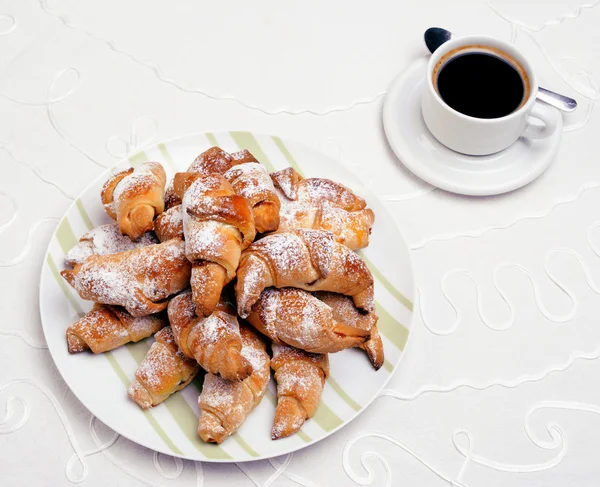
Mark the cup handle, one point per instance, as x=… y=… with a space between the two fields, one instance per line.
x=546 y=114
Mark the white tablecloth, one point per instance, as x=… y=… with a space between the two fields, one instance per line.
x=499 y=382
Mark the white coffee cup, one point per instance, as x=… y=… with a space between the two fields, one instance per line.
x=480 y=136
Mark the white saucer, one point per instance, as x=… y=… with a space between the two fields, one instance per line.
x=433 y=162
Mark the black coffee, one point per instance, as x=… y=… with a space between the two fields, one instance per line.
x=480 y=85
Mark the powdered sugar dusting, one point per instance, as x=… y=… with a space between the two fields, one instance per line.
x=137 y=279
x=105 y=240
x=169 y=224
x=141 y=180
x=251 y=180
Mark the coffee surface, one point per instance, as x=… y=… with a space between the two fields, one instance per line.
x=481 y=85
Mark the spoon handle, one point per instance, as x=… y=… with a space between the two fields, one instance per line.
x=557 y=100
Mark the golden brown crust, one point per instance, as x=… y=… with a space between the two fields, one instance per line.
x=304 y=259
x=212 y=161
x=218 y=225
x=226 y=404
x=164 y=371
x=300 y=378
x=297 y=318
x=139 y=280
x=169 y=224
x=134 y=197
x=252 y=181
x=106 y=327
x=344 y=310
x=108 y=189
x=322 y=204
x=213 y=341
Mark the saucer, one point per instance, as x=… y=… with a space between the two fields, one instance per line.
x=433 y=162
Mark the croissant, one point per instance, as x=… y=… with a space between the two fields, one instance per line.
x=108 y=327
x=306 y=259
x=217 y=225
x=164 y=371
x=169 y=224
x=213 y=341
x=134 y=197
x=321 y=204
x=344 y=311
x=216 y=161
x=226 y=404
x=105 y=240
x=300 y=378
x=251 y=180
x=140 y=280
x=297 y=318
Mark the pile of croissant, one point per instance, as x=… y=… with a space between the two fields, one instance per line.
x=234 y=271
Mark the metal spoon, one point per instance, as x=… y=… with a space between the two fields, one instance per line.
x=436 y=36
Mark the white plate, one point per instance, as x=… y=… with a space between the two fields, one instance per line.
x=100 y=381
x=433 y=162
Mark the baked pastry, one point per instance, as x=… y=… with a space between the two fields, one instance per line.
x=216 y=161
x=300 y=378
x=226 y=404
x=251 y=180
x=295 y=317
x=322 y=204
x=306 y=259
x=134 y=197
x=140 y=280
x=217 y=225
x=169 y=224
x=213 y=341
x=164 y=371
x=344 y=311
x=106 y=327
x=105 y=240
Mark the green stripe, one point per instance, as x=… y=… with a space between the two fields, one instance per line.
x=340 y=391
x=387 y=365
x=245 y=140
x=211 y=138
x=391 y=328
x=138 y=158
x=186 y=419
x=287 y=154
x=304 y=436
x=167 y=156
x=151 y=419
x=65 y=236
x=326 y=418
x=180 y=410
x=387 y=284
x=64 y=286
x=84 y=214
x=161 y=432
x=247 y=448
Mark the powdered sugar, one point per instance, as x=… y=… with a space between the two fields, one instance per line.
x=137 y=279
x=141 y=180
x=250 y=180
x=105 y=240
x=169 y=224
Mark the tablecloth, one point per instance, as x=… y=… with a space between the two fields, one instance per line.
x=498 y=385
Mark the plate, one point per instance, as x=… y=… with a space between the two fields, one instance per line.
x=421 y=153
x=100 y=381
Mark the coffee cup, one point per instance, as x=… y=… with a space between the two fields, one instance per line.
x=472 y=101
